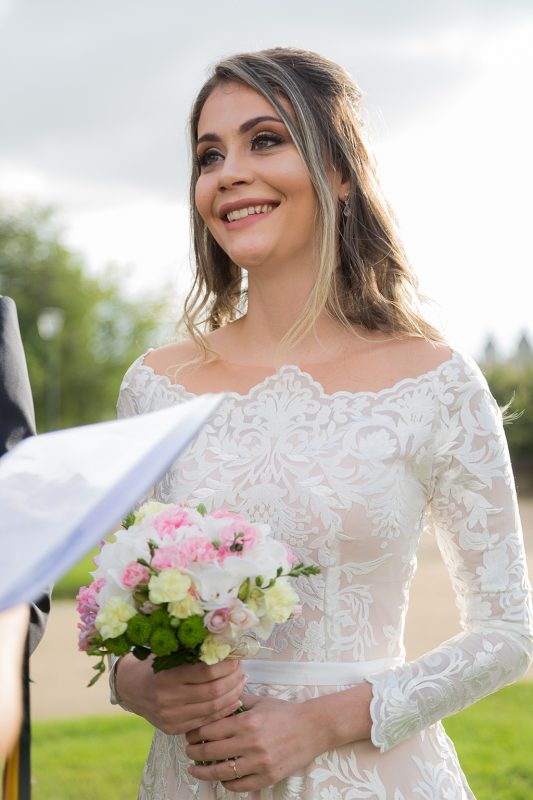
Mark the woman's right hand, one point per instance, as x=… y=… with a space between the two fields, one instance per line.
x=183 y=698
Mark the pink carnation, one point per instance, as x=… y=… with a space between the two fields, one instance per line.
x=135 y=573
x=87 y=607
x=169 y=557
x=217 y=621
x=222 y=553
x=238 y=537
x=199 y=548
x=168 y=522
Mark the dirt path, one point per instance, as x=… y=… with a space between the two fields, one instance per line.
x=61 y=673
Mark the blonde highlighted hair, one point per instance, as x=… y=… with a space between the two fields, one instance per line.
x=363 y=278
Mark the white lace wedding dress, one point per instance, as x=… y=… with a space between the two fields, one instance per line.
x=350 y=480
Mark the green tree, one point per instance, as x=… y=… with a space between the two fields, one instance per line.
x=80 y=368
x=512 y=386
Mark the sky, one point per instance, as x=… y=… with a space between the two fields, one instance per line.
x=95 y=99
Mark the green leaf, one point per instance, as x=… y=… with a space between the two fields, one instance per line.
x=100 y=669
x=161 y=663
x=129 y=520
x=141 y=653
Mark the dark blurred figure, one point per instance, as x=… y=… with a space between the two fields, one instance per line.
x=17 y=420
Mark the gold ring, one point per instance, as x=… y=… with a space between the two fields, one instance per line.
x=232 y=762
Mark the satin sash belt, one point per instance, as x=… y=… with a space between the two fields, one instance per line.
x=314 y=673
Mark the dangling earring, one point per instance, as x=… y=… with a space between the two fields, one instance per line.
x=346 y=206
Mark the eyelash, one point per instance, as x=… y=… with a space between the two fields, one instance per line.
x=273 y=139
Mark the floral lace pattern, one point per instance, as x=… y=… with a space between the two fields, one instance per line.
x=350 y=481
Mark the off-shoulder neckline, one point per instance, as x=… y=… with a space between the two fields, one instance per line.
x=294 y=368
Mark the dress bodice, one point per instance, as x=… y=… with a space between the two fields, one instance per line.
x=350 y=481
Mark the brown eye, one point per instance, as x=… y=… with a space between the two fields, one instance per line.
x=265 y=140
x=208 y=157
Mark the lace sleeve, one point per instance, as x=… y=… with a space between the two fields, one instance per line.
x=474 y=513
x=128 y=395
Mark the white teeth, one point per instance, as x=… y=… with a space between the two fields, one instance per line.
x=240 y=213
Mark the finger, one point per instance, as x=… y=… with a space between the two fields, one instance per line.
x=205 y=713
x=204 y=673
x=220 y=750
x=250 y=700
x=229 y=772
x=224 y=728
x=207 y=699
x=200 y=700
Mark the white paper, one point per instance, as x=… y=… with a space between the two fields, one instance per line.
x=61 y=492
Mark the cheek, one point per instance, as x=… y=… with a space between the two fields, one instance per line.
x=199 y=198
x=299 y=186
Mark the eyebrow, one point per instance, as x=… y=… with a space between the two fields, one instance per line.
x=244 y=128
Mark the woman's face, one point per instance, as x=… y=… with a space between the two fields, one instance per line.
x=254 y=192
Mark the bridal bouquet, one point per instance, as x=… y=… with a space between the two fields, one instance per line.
x=186 y=586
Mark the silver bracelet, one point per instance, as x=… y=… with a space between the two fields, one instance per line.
x=114 y=696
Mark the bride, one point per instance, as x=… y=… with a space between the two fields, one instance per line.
x=349 y=425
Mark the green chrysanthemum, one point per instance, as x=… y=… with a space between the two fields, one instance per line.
x=119 y=646
x=191 y=632
x=139 y=629
x=159 y=619
x=163 y=642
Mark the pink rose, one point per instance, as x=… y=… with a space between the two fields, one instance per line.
x=199 y=549
x=169 y=556
x=241 y=616
x=168 y=522
x=238 y=537
x=135 y=573
x=217 y=621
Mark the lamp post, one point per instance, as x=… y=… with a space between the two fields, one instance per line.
x=50 y=324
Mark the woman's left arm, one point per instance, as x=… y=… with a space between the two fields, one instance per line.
x=475 y=515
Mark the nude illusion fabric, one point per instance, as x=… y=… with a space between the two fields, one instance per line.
x=350 y=481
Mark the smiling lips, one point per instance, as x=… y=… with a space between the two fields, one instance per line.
x=240 y=213
x=232 y=213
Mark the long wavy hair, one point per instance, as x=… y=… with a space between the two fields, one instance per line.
x=363 y=277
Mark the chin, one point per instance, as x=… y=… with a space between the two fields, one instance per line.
x=249 y=259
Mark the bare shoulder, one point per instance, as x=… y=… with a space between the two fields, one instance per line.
x=167 y=359
x=387 y=360
x=415 y=356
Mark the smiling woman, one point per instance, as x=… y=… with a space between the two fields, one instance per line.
x=349 y=426
x=251 y=162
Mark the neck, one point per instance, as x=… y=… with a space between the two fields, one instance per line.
x=275 y=303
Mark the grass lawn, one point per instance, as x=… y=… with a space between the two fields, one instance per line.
x=102 y=757
x=92 y=758
x=494 y=739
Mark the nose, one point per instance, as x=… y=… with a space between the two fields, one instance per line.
x=234 y=171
